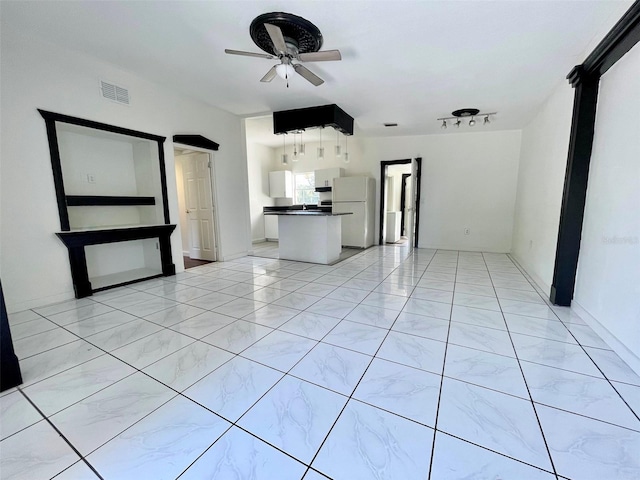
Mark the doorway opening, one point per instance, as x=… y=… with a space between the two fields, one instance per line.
x=196 y=204
x=400 y=201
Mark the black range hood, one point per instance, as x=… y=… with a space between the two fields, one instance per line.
x=287 y=121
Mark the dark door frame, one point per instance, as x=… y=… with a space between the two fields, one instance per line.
x=403 y=201
x=585 y=79
x=10 y=375
x=383 y=172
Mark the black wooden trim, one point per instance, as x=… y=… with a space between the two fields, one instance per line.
x=58 y=117
x=323 y=189
x=130 y=282
x=105 y=200
x=403 y=201
x=585 y=79
x=575 y=191
x=196 y=141
x=418 y=193
x=10 y=375
x=76 y=242
x=620 y=39
x=163 y=184
x=56 y=166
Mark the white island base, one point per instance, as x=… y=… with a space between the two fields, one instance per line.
x=310 y=238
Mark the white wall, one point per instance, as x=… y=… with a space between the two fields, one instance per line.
x=34 y=266
x=543 y=160
x=608 y=278
x=182 y=203
x=260 y=161
x=468 y=180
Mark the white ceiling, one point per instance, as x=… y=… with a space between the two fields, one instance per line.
x=403 y=61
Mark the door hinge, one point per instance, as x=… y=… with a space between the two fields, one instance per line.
x=209 y=164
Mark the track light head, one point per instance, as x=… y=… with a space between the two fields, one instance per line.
x=486 y=120
x=472 y=122
x=444 y=125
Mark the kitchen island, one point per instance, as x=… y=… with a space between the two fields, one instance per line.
x=309 y=236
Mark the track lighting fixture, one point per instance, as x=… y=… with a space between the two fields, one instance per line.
x=464 y=113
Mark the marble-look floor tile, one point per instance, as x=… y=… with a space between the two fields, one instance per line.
x=582 y=394
x=374 y=316
x=188 y=365
x=234 y=387
x=124 y=301
x=476 y=301
x=148 y=350
x=485 y=369
x=587 y=337
x=216 y=284
x=266 y=295
x=346 y=294
x=35 y=452
x=390 y=288
x=368 y=443
x=239 y=307
x=539 y=327
x=123 y=335
x=100 y=417
x=332 y=367
x=356 y=336
x=477 y=316
x=419 y=352
x=527 y=308
x=29 y=346
x=311 y=325
x=32 y=327
x=294 y=416
x=456 y=459
x=16 y=413
x=332 y=308
x=57 y=360
x=475 y=289
x=272 y=315
x=66 y=388
x=289 y=284
x=520 y=295
x=148 y=307
x=212 y=300
x=24 y=316
x=237 y=336
x=484 y=281
x=238 y=455
x=423 y=326
x=403 y=390
x=589 y=449
x=240 y=289
x=383 y=300
x=613 y=366
x=317 y=289
x=428 y=308
x=161 y=445
x=78 y=314
x=63 y=306
x=493 y=420
x=486 y=339
x=436 y=284
x=513 y=285
x=279 y=350
x=77 y=471
x=631 y=395
x=554 y=354
x=332 y=280
x=202 y=324
x=433 y=295
x=99 y=323
x=359 y=283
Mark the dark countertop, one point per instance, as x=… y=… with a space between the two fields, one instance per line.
x=312 y=207
x=307 y=213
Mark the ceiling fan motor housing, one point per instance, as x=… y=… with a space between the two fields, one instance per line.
x=298 y=32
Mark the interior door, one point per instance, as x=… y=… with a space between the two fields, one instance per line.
x=410 y=226
x=197 y=188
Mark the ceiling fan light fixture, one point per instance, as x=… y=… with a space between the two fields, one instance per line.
x=285 y=71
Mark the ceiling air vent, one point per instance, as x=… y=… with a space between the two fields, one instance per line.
x=115 y=93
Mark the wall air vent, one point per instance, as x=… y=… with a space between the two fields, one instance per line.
x=115 y=93
x=390 y=124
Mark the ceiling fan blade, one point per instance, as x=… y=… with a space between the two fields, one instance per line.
x=270 y=75
x=276 y=37
x=308 y=75
x=324 y=56
x=248 y=54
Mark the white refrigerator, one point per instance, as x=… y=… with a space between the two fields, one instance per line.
x=355 y=195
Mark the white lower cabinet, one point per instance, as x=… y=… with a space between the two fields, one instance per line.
x=271 y=227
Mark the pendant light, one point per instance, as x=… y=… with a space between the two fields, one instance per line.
x=321 y=148
x=285 y=157
x=302 y=149
x=338 y=149
x=346 y=150
x=295 y=149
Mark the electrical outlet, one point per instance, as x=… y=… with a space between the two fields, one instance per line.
x=467 y=231
x=91 y=178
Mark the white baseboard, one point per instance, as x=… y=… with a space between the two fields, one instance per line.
x=185 y=253
x=461 y=248
x=541 y=284
x=258 y=240
x=14 y=307
x=233 y=256
x=616 y=345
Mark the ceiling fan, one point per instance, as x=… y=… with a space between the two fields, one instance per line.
x=288 y=37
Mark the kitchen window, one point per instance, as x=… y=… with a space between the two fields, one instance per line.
x=305 y=188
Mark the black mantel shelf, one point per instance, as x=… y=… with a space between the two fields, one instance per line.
x=107 y=200
x=76 y=240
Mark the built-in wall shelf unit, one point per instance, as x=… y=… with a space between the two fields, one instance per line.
x=111 y=190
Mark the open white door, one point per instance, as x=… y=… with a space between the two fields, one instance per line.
x=411 y=204
x=199 y=206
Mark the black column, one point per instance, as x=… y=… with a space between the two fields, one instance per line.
x=575 y=185
x=10 y=375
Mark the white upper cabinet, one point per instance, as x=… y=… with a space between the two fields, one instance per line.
x=324 y=178
x=281 y=184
